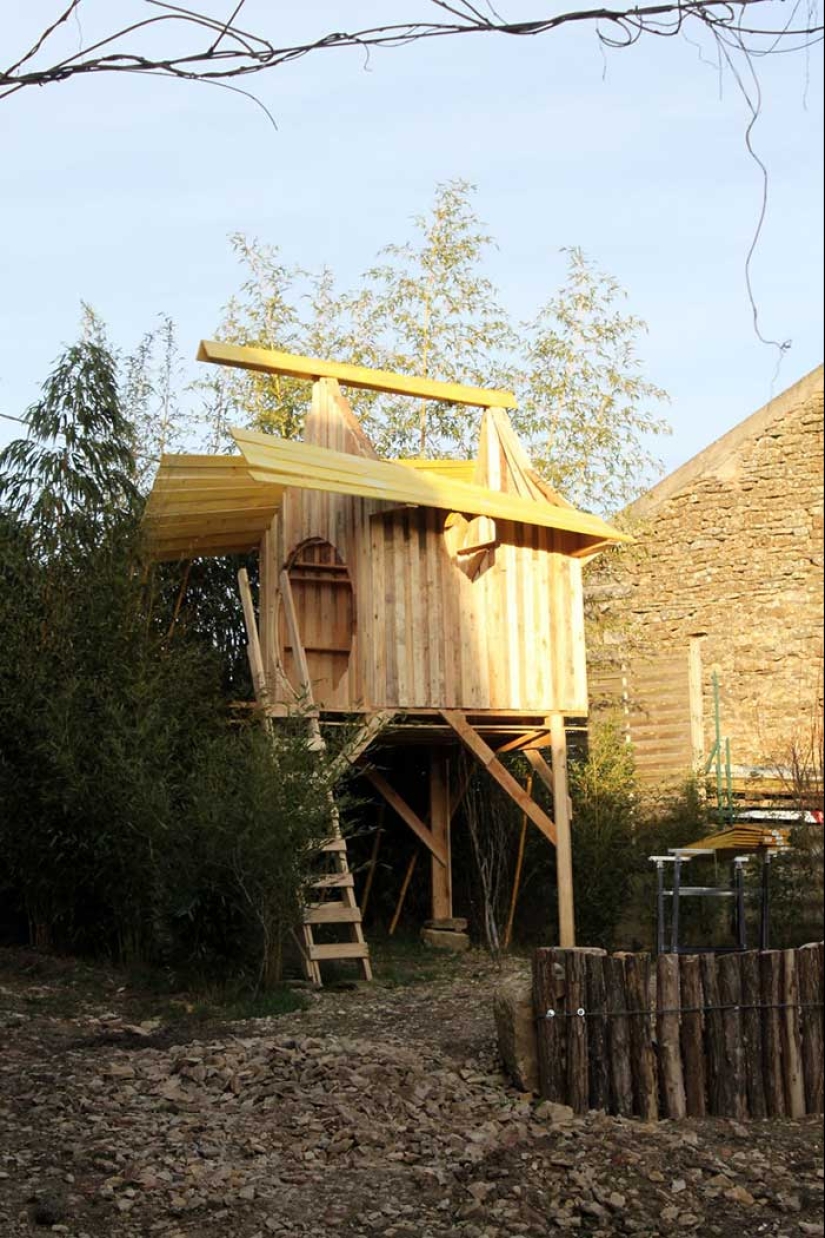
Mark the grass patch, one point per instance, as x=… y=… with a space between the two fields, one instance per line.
x=399 y=962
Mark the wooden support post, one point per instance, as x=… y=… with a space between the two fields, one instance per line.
x=253 y=647
x=564 y=844
x=440 y=817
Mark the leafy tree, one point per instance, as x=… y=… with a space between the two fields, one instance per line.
x=136 y=817
x=585 y=406
x=150 y=393
x=73 y=475
x=427 y=308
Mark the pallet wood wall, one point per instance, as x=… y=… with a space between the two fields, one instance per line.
x=424 y=634
x=655 y=704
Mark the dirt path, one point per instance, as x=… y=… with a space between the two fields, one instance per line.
x=376 y=1111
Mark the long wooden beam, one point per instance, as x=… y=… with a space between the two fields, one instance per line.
x=564 y=848
x=471 y=740
x=435 y=847
x=360 y=741
x=268 y=361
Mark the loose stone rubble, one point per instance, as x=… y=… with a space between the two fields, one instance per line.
x=367 y=1115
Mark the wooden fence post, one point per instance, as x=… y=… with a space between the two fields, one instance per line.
x=643 y=1058
x=578 y=1080
x=809 y=968
x=770 y=969
x=714 y=1036
x=693 y=1049
x=618 y=1039
x=671 y=1076
x=752 y=1035
x=597 y=1024
x=730 y=993
x=550 y=1029
x=791 y=1038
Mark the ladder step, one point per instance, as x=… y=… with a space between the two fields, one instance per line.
x=335 y=881
x=331 y=913
x=341 y=950
x=336 y=845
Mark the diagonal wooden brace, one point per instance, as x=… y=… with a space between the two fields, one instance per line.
x=410 y=818
x=471 y=740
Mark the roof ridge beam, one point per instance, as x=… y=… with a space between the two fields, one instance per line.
x=310 y=369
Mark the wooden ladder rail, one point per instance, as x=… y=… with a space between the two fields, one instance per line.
x=343 y=910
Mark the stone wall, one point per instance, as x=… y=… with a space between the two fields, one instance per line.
x=730 y=555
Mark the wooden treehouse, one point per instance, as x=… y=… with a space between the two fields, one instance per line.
x=439 y=602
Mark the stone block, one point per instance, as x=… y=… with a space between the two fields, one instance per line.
x=516 y=1031
x=441 y=939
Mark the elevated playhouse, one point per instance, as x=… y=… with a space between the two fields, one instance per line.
x=438 y=602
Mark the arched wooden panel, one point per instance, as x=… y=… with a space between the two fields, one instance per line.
x=325 y=606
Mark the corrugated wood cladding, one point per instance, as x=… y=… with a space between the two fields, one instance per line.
x=423 y=634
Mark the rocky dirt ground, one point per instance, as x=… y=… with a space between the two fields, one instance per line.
x=376 y=1111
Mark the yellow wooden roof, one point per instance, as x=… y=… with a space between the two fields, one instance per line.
x=285 y=463
x=458 y=470
x=223 y=504
x=207 y=505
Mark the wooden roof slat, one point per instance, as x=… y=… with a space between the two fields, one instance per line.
x=317 y=468
x=207 y=505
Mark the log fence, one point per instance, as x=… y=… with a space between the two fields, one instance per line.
x=738 y=1035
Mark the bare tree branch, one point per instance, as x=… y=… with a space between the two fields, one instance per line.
x=220 y=50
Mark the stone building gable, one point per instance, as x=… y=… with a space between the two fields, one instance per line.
x=730 y=563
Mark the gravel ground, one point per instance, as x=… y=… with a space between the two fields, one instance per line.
x=377 y=1111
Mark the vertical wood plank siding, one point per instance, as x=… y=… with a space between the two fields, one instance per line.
x=426 y=636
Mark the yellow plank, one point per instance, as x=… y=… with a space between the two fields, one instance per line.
x=268 y=361
x=317 y=468
x=458 y=470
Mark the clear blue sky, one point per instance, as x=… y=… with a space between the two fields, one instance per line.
x=122 y=190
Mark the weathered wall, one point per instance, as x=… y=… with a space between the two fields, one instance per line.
x=731 y=554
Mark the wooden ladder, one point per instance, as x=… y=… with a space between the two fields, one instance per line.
x=343 y=909
x=336 y=904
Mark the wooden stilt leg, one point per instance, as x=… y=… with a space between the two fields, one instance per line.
x=564 y=845
x=440 y=816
